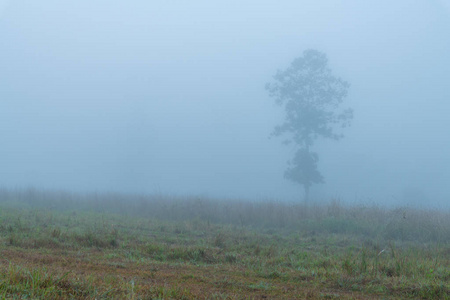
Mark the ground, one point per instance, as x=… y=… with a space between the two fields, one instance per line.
x=65 y=246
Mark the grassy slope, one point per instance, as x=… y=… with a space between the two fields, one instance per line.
x=60 y=245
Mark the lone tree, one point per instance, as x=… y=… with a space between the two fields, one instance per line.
x=311 y=97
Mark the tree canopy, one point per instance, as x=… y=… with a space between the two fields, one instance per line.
x=311 y=97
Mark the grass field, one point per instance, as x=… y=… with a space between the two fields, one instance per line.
x=57 y=245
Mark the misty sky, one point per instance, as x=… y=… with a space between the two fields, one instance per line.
x=168 y=96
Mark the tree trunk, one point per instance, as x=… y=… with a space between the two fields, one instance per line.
x=307 y=184
x=306 y=194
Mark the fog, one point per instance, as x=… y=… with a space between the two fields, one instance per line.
x=168 y=97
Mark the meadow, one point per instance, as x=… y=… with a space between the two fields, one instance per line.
x=60 y=245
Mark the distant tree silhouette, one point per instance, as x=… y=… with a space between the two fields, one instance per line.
x=310 y=95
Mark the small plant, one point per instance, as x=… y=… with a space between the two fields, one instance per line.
x=347 y=265
x=231 y=258
x=220 y=240
x=260 y=286
x=363 y=265
x=56 y=232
